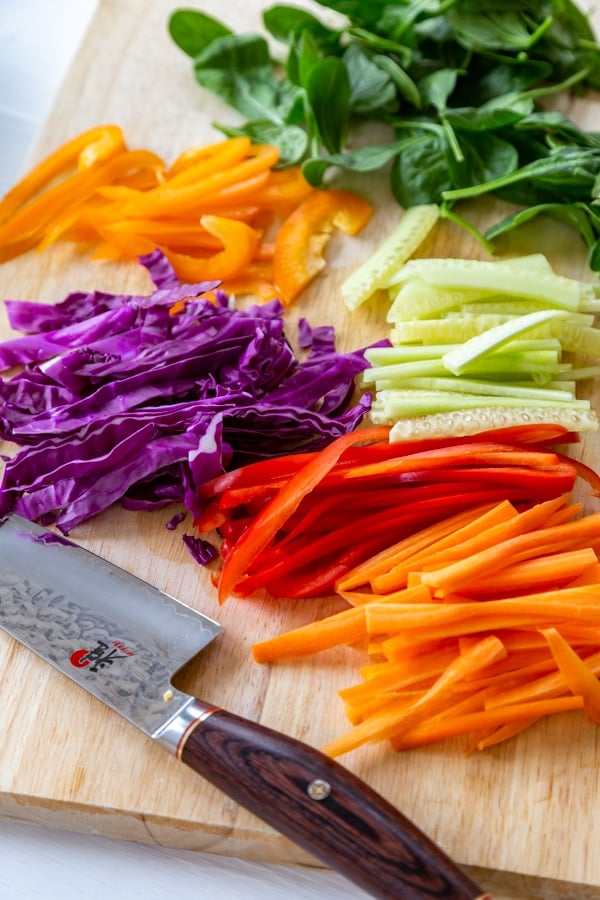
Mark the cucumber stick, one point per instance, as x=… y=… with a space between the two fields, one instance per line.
x=374 y=274
x=460 y=358
x=462 y=423
x=479 y=344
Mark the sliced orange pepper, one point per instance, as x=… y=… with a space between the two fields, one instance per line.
x=89 y=148
x=30 y=221
x=189 y=158
x=303 y=236
x=188 y=197
x=285 y=189
x=72 y=193
x=239 y=246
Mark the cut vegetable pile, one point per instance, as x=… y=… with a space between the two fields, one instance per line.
x=479 y=623
x=215 y=212
x=475 y=344
x=140 y=399
x=286 y=526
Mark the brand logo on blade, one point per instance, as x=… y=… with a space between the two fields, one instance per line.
x=99 y=657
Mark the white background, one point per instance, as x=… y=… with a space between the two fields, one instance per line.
x=38 y=39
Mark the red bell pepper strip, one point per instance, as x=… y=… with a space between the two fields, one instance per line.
x=265 y=526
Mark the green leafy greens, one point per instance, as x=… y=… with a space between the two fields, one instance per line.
x=460 y=89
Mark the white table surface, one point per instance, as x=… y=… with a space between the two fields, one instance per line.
x=38 y=39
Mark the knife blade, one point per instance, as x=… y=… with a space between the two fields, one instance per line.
x=123 y=640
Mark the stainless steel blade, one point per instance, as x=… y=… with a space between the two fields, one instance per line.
x=109 y=631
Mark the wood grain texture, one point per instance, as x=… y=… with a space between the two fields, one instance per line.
x=524 y=813
x=348 y=826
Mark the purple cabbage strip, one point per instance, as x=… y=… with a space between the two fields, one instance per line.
x=123 y=399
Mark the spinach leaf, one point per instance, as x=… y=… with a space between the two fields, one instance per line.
x=485 y=156
x=371 y=87
x=238 y=69
x=328 y=93
x=420 y=171
x=462 y=85
x=365 y=159
x=573 y=214
x=285 y=22
x=193 y=31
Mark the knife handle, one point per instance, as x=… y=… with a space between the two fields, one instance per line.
x=321 y=806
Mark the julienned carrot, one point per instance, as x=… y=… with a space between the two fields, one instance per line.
x=446 y=727
x=90 y=190
x=545 y=685
x=577 y=533
x=420 y=541
x=579 y=674
x=551 y=570
x=397 y=717
x=494 y=518
x=544 y=623
x=346 y=627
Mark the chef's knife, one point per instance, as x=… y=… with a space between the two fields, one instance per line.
x=123 y=640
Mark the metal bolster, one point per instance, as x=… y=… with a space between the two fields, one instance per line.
x=173 y=734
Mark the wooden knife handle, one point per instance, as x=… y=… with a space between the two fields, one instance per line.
x=323 y=807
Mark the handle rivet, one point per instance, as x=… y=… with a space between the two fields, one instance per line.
x=318 y=789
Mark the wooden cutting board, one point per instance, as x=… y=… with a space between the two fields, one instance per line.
x=523 y=817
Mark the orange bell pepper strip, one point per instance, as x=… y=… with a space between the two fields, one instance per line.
x=122 y=165
x=267 y=523
x=240 y=242
x=303 y=236
x=226 y=151
x=164 y=200
x=58 y=206
x=87 y=149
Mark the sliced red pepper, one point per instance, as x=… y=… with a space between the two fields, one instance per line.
x=265 y=526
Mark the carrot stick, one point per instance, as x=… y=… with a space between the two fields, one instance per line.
x=571 y=534
x=509 y=730
x=445 y=620
x=442 y=729
x=346 y=627
x=578 y=673
x=424 y=541
x=396 y=718
x=540 y=572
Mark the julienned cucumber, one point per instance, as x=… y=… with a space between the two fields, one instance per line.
x=478 y=344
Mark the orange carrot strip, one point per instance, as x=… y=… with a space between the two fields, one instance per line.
x=575 y=533
x=346 y=627
x=445 y=620
x=505 y=732
x=424 y=539
x=442 y=729
x=577 y=672
x=397 y=718
x=590 y=576
x=541 y=572
x=475 y=531
x=551 y=684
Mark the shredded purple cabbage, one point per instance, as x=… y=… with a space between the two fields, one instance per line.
x=122 y=398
